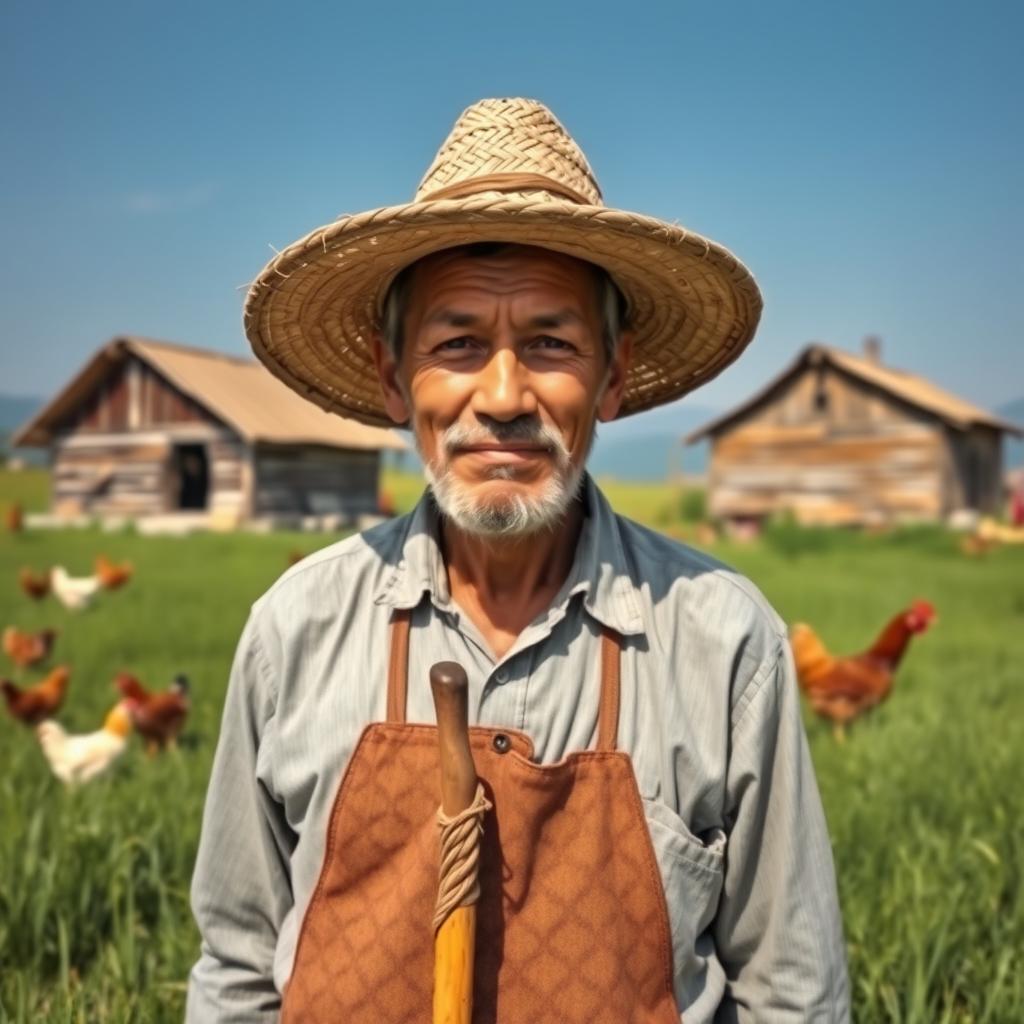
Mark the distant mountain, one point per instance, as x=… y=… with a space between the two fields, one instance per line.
x=15 y=410
x=649 y=446
x=1014 y=450
x=646 y=457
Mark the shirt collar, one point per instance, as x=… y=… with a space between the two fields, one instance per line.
x=599 y=571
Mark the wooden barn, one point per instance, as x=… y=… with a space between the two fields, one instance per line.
x=149 y=428
x=845 y=440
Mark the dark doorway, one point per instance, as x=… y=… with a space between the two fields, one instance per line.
x=193 y=475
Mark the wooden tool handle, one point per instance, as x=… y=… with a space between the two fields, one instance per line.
x=456 y=937
x=450 y=687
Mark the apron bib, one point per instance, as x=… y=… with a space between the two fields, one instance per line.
x=571 y=925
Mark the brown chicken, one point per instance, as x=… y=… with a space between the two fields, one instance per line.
x=35 y=704
x=111 y=575
x=26 y=649
x=158 y=717
x=974 y=546
x=14 y=518
x=35 y=585
x=842 y=689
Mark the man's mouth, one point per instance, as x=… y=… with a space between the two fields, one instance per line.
x=508 y=453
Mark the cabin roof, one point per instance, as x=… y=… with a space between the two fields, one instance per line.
x=239 y=392
x=908 y=387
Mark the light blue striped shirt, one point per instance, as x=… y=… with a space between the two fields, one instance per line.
x=709 y=715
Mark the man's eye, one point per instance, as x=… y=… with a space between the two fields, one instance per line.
x=455 y=344
x=548 y=342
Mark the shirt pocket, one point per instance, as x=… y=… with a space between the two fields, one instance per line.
x=692 y=872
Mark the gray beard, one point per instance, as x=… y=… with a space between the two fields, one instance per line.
x=513 y=515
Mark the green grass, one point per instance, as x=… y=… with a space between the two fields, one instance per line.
x=94 y=917
x=29 y=487
x=403 y=489
x=924 y=801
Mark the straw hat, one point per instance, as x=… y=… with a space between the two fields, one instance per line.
x=508 y=172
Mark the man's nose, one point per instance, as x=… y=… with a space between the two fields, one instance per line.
x=503 y=389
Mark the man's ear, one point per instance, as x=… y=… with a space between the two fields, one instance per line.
x=387 y=373
x=610 y=402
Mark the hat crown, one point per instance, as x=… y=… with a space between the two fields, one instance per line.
x=496 y=140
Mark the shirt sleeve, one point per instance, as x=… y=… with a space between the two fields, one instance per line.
x=778 y=931
x=241 y=889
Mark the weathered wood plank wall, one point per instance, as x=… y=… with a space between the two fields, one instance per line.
x=228 y=494
x=312 y=480
x=976 y=460
x=134 y=473
x=114 y=477
x=133 y=397
x=117 y=454
x=834 y=450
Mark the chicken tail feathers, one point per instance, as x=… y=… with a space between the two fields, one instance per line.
x=810 y=655
x=10 y=691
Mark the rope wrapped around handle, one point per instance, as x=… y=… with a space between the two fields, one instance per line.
x=458 y=884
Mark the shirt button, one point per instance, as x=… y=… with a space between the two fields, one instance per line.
x=501 y=676
x=501 y=743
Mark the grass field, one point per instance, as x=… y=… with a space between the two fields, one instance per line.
x=925 y=801
x=30 y=488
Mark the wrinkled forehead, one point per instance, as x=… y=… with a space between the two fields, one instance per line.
x=503 y=271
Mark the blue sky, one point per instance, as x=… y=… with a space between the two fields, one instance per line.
x=865 y=161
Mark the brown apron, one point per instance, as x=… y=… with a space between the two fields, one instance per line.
x=572 y=923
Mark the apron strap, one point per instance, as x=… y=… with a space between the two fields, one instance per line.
x=398 y=664
x=608 y=709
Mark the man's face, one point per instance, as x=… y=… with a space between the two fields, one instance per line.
x=503 y=374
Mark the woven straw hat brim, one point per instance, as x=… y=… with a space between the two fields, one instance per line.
x=313 y=311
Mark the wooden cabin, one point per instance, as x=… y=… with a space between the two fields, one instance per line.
x=842 y=439
x=149 y=428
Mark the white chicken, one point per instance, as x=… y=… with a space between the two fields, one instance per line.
x=74 y=592
x=83 y=757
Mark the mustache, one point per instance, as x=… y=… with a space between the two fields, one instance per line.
x=527 y=429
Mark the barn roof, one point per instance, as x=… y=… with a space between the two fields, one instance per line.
x=908 y=387
x=239 y=392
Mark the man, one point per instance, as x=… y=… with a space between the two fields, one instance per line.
x=656 y=845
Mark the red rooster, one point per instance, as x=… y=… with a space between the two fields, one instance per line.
x=158 y=717
x=842 y=689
